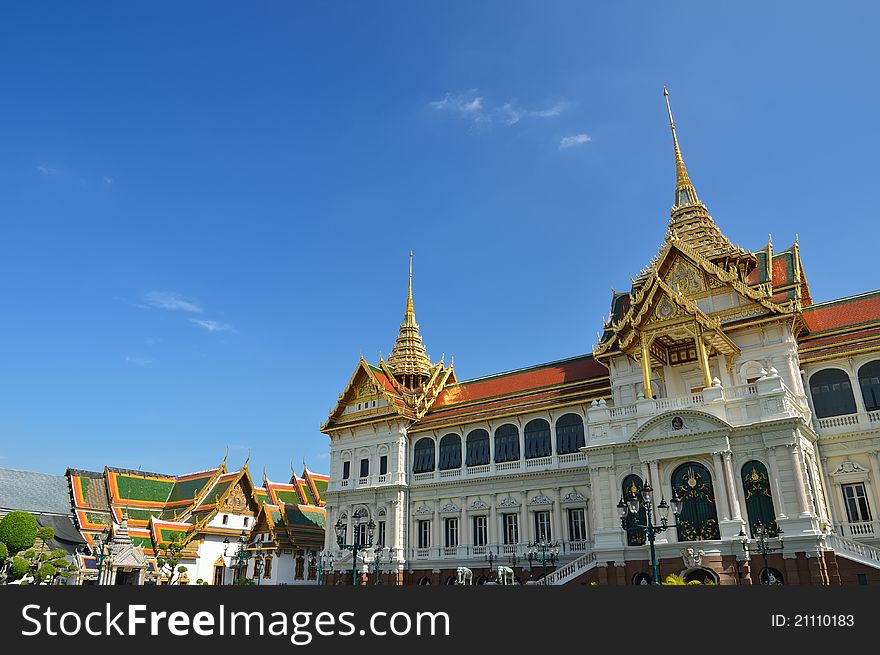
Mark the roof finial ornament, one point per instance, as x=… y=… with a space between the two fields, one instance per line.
x=685 y=194
x=409 y=359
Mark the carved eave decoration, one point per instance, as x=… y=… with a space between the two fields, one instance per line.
x=651 y=289
x=420 y=400
x=363 y=375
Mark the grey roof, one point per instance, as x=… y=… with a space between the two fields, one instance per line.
x=34 y=492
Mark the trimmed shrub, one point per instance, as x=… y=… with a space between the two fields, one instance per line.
x=18 y=530
x=46 y=572
x=4 y=551
x=19 y=568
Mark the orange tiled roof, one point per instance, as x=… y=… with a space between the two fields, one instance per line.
x=843 y=313
x=544 y=375
x=556 y=383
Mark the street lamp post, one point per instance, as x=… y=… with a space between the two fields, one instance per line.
x=258 y=562
x=491 y=557
x=356 y=544
x=378 y=559
x=762 y=535
x=241 y=558
x=100 y=550
x=544 y=552
x=323 y=563
x=633 y=505
x=514 y=559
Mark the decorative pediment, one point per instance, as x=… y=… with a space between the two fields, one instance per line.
x=509 y=501
x=674 y=424
x=574 y=497
x=682 y=285
x=479 y=504
x=423 y=509
x=449 y=507
x=238 y=502
x=540 y=499
x=849 y=467
x=685 y=277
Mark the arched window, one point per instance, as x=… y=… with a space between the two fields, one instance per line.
x=759 y=499
x=423 y=455
x=424 y=581
x=869 y=381
x=699 y=518
x=832 y=393
x=537 y=438
x=632 y=484
x=477 y=448
x=569 y=434
x=507 y=443
x=450 y=452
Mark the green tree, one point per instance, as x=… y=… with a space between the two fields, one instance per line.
x=18 y=530
x=168 y=557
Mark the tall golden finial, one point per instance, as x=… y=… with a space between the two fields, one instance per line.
x=410 y=316
x=685 y=194
x=408 y=358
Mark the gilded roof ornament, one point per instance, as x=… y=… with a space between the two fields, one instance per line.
x=408 y=359
x=685 y=193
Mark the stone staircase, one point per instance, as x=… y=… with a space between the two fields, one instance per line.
x=854 y=550
x=568 y=572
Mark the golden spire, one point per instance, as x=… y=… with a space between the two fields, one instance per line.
x=408 y=358
x=685 y=194
x=409 y=317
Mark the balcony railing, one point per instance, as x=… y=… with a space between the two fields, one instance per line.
x=466 y=552
x=859 y=530
x=848 y=422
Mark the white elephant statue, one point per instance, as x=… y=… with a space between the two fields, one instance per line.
x=505 y=575
x=464 y=576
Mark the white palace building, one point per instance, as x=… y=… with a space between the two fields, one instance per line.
x=716 y=380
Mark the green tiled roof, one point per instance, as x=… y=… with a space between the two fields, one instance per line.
x=218 y=490
x=98 y=517
x=287 y=496
x=189 y=489
x=132 y=487
x=143 y=514
x=294 y=516
x=321 y=486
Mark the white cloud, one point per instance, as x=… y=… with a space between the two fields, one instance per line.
x=574 y=140
x=511 y=115
x=48 y=170
x=108 y=180
x=211 y=326
x=172 y=301
x=137 y=360
x=472 y=107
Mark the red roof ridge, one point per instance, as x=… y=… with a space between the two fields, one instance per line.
x=827 y=303
x=516 y=371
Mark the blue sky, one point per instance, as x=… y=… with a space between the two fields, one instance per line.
x=206 y=208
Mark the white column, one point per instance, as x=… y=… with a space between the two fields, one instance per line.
x=524 y=527
x=778 y=495
x=800 y=488
x=611 y=486
x=732 y=485
x=463 y=532
x=493 y=522
x=436 y=529
x=829 y=495
x=721 y=486
x=596 y=500
x=558 y=533
x=875 y=482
